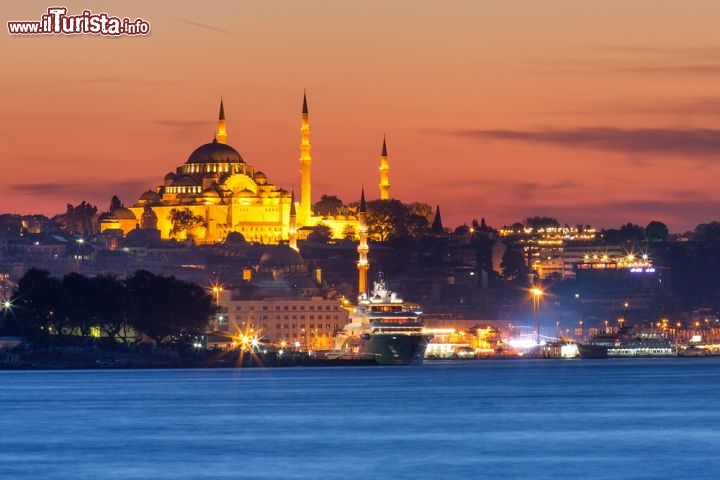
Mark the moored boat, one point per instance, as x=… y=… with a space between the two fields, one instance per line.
x=627 y=342
x=386 y=327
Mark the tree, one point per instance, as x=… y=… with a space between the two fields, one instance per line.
x=320 y=234
x=75 y=308
x=632 y=235
x=387 y=219
x=538 y=223
x=329 y=206
x=437 y=226
x=707 y=234
x=417 y=225
x=35 y=305
x=109 y=311
x=149 y=219
x=79 y=219
x=629 y=236
x=162 y=306
x=421 y=209
x=656 y=232
x=183 y=220
x=115 y=203
x=349 y=232
x=513 y=265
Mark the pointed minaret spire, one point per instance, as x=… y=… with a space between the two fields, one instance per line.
x=292 y=230
x=305 y=163
x=363 y=264
x=221 y=135
x=384 y=173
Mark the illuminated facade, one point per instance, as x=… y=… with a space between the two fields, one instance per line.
x=546 y=249
x=311 y=322
x=216 y=192
x=283 y=304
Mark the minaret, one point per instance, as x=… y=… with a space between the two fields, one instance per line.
x=305 y=163
x=384 y=174
x=362 y=265
x=292 y=231
x=221 y=135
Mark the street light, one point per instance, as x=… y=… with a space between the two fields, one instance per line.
x=217 y=289
x=536 y=292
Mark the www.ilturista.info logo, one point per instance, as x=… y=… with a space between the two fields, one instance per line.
x=58 y=22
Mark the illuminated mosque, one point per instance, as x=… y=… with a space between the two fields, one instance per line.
x=215 y=192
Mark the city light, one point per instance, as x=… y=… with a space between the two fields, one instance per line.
x=216 y=289
x=536 y=293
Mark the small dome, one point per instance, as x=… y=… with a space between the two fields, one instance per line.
x=141 y=237
x=260 y=178
x=123 y=213
x=150 y=196
x=215 y=153
x=245 y=193
x=185 y=181
x=170 y=176
x=280 y=256
x=210 y=193
x=235 y=238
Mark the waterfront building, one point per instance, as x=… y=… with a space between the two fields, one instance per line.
x=283 y=303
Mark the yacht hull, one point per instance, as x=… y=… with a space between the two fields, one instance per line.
x=395 y=349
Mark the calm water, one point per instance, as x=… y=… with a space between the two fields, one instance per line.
x=606 y=419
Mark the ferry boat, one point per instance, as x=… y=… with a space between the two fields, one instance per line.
x=385 y=327
x=627 y=342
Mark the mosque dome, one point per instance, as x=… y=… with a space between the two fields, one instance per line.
x=141 y=237
x=260 y=178
x=235 y=238
x=215 y=153
x=245 y=193
x=280 y=256
x=123 y=213
x=150 y=196
x=210 y=193
x=170 y=176
x=106 y=217
x=185 y=181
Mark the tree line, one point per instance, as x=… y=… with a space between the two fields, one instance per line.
x=154 y=306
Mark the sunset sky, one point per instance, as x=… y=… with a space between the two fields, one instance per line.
x=595 y=112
